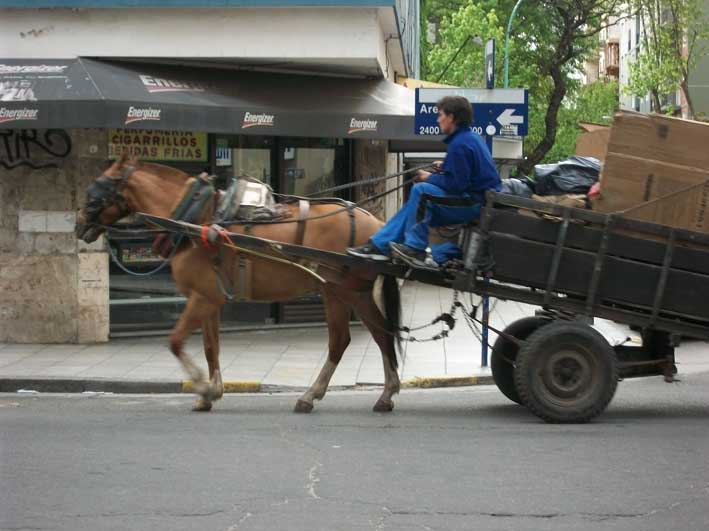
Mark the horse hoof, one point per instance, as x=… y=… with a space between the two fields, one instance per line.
x=202 y=405
x=383 y=406
x=201 y=388
x=301 y=406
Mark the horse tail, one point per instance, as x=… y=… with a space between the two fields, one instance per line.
x=392 y=313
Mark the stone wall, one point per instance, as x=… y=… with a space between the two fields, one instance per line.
x=370 y=159
x=53 y=289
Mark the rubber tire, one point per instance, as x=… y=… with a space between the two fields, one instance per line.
x=601 y=376
x=504 y=349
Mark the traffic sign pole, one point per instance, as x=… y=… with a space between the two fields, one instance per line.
x=490 y=64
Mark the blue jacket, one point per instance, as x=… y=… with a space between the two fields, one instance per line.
x=468 y=168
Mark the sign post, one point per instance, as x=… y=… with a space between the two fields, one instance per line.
x=496 y=113
x=490 y=64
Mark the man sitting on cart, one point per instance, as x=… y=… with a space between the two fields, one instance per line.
x=467 y=172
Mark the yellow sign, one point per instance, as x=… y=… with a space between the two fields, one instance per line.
x=158 y=145
x=410 y=82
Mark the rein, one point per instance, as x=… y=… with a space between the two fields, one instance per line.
x=348 y=206
x=193 y=202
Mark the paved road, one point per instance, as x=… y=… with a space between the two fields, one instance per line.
x=445 y=459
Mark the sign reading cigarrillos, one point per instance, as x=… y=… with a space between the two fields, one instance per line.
x=158 y=145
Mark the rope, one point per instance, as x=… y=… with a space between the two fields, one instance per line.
x=123 y=268
x=374 y=180
x=229 y=243
x=255 y=253
x=329 y=214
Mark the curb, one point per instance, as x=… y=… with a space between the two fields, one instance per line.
x=95 y=385
x=187 y=386
x=461 y=381
x=105 y=385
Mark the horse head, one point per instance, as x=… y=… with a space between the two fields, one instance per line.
x=105 y=203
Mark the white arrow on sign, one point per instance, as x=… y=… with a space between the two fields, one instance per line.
x=508 y=118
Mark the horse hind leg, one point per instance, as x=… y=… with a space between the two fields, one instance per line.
x=338 y=323
x=196 y=311
x=378 y=326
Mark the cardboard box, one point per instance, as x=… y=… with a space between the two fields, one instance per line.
x=593 y=142
x=659 y=161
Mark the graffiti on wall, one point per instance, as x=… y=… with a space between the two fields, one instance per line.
x=33 y=148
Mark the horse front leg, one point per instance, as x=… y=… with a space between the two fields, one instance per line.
x=210 y=340
x=197 y=311
x=338 y=326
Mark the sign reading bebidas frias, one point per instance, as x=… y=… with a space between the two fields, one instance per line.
x=158 y=145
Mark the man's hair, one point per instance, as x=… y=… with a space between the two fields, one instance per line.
x=459 y=107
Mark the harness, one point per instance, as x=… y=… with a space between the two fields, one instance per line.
x=192 y=207
x=105 y=192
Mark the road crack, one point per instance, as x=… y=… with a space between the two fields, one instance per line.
x=313 y=480
x=243 y=519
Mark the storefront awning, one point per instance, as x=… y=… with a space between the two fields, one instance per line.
x=85 y=93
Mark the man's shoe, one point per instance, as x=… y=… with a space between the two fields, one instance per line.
x=368 y=251
x=409 y=255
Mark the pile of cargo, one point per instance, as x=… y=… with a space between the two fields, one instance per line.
x=657 y=169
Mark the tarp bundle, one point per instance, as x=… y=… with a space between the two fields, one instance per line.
x=574 y=175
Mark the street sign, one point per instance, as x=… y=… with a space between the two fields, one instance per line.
x=490 y=64
x=496 y=112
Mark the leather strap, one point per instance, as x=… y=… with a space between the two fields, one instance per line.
x=353 y=223
x=304 y=211
x=243 y=273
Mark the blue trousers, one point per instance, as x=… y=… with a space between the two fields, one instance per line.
x=404 y=228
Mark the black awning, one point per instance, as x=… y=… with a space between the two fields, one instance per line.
x=85 y=93
x=51 y=93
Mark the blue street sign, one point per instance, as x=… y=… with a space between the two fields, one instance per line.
x=490 y=64
x=496 y=112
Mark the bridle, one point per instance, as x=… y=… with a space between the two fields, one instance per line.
x=104 y=192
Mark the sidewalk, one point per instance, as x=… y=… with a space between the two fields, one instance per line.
x=283 y=359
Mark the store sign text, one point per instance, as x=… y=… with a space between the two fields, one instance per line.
x=158 y=145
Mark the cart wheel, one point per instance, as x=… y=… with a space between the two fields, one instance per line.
x=566 y=372
x=504 y=354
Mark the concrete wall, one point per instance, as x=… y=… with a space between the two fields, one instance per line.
x=346 y=40
x=52 y=288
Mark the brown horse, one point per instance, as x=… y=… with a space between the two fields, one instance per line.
x=130 y=186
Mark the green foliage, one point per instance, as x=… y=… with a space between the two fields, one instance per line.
x=538 y=33
x=595 y=103
x=655 y=69
x=471 y=20
x=671 y=43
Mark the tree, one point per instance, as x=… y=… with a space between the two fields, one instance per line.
x=455 y=30
x=550 y=41
x=595 y=103
x=572 y=28
x=670 y=46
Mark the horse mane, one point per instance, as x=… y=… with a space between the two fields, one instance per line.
x=165 y=172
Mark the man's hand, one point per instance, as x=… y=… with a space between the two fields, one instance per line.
x=438 y=165
x=421 y=176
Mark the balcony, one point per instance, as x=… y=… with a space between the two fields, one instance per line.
x=611 y=56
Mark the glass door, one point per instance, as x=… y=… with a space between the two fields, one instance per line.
x=252 y=162
x=306 y=166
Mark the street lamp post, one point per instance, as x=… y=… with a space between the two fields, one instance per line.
x=507 y=44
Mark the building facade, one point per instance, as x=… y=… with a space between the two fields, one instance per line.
x=269 y=89
x=699 y=80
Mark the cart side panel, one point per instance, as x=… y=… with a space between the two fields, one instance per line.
x=625 y=282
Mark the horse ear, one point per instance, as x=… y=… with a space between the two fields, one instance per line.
x=123 y=158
